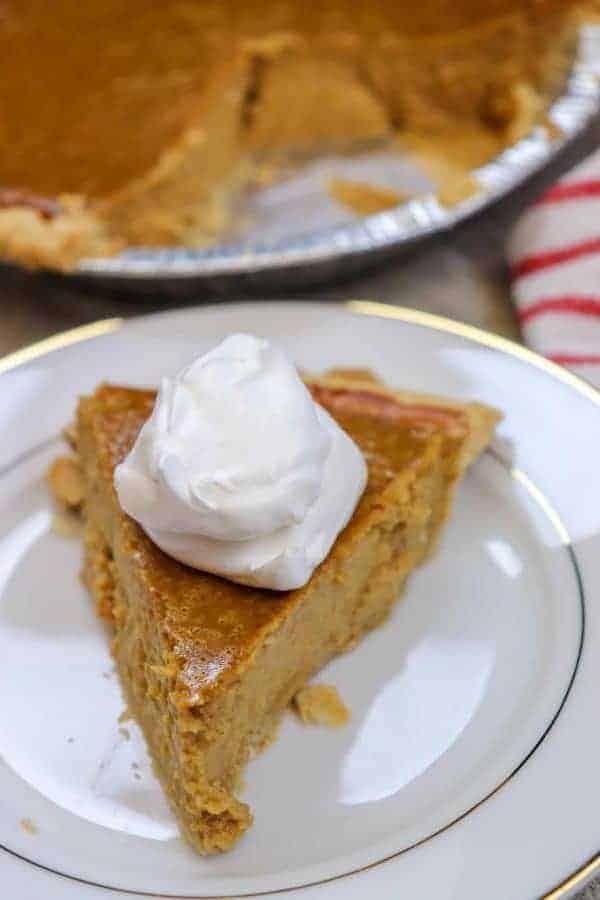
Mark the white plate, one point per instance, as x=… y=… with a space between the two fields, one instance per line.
x=470 y=764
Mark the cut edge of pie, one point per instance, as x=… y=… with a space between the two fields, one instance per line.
x=207 y=667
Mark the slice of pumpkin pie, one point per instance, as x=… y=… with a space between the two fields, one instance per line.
x=207 y=664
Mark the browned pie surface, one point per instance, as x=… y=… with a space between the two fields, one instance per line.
x=212 y=623
x=93 y=92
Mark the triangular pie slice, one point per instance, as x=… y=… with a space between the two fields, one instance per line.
x=207 y=666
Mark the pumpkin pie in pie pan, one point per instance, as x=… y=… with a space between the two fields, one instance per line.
x=146 y=129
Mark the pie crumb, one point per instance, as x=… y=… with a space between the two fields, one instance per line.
x=124 y=732
x=67 y=524
x=364 y=199
x=29 y=826
x=65 y=480
x=321 y=704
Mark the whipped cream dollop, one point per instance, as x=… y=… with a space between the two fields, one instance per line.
x=239 y=472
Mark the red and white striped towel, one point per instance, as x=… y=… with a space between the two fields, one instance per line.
x=554 y=257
